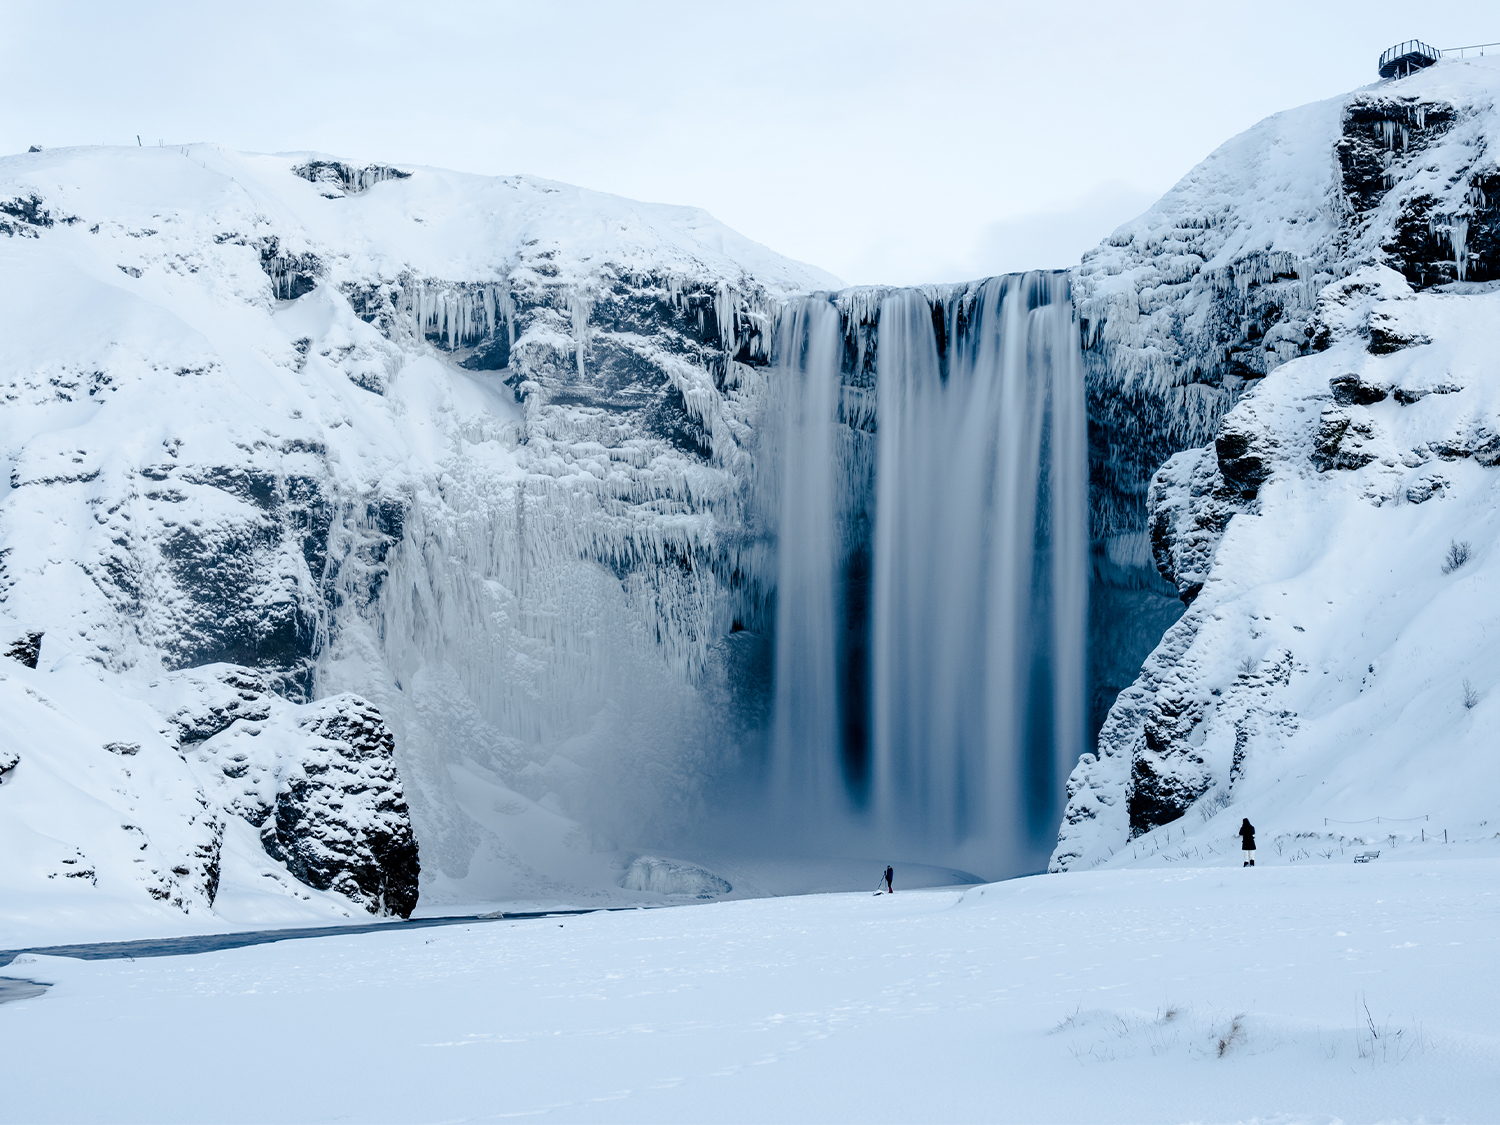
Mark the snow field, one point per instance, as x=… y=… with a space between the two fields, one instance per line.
x=1311 y=993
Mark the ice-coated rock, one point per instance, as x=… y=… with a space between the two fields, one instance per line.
x=1271 y=676
x=27 y=648
x=672 y=877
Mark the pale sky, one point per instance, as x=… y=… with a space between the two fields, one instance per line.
x=884 y=141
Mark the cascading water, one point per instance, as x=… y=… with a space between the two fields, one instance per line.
x=805 y=504
x=977 y=612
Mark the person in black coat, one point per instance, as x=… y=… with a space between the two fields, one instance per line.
x=1247 y=841
x=888 y=876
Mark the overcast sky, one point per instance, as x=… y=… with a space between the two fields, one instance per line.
x=886 y=142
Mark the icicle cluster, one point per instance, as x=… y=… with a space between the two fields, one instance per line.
x=348 y=177
x=458 y=315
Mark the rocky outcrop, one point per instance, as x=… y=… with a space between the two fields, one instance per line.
x=27 y=648
x=1422 y=186
x=483 y=460
x=1190 y=507
x=350 y=179
x=319 y=780
x=340 y=821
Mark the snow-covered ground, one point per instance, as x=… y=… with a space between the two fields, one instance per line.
x=1292 y=992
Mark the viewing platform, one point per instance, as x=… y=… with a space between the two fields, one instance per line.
x=1407 y=58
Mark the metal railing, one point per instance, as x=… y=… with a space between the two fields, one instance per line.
x=1408 y=56
x=1459 y=51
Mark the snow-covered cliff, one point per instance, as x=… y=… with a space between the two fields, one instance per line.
x=470 y=448
x=1307 y=315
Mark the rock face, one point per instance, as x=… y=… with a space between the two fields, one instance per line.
x=474 y=450
x=26 y=648
x=340 y=822
x=96 y=806
x=318 y=780
x=1318 y=231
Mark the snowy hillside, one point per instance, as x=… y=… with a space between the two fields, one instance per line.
x=1215 y=286
x=1335 y=662
x=426 y=437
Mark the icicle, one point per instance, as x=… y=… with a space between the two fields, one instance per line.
x=725 y=308
x=1458 y=238
x=579 y=307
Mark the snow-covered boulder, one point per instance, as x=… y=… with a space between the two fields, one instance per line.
x=146 y=796
x=339 y=820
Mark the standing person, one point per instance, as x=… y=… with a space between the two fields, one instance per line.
x=889 y=874
x=1247 y=841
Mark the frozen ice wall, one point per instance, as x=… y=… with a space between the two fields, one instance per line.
x=931 y=603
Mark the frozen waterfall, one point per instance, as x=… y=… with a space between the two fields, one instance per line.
x=975 y=614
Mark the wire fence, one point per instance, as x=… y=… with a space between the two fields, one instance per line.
x=1327 y=820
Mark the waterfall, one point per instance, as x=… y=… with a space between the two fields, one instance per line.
x=804 y=501
x=976 y=614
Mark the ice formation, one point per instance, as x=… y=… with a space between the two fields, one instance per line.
x=672 y=877
x=475 y=450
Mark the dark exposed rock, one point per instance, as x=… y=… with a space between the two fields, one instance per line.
x=217 y=697
x=1350 y=390
x=1341 y=439
x=1190 y=508
x=1387 y=335
x=27 y=648
x=319 y=780
x=292 y=275
x=348 y=178
x=341 y=822
x=23 y=216
x=1406 y=396
x=1431 y=241
x=1424 y=488
x=1244 y=453
x=10 y=758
